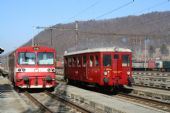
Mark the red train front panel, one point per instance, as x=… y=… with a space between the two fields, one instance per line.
x=116 y=68
x=35 y=67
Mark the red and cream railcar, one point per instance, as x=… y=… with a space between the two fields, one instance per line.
x=100 y=66
x=32 y=67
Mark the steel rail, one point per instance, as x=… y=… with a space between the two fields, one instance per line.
x=69 y=103
x=152 y=103
x=42 y=107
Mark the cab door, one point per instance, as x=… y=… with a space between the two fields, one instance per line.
x=91 y=68
x=107 y=68
x=117 y=68
x=126 y=67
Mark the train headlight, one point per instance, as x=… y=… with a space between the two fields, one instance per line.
x=19 y=70
x=105 y=73
x=53 y=70
x=128 y=73
x=23 y=70
x=48 y=69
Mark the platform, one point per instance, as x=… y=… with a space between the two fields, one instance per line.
x=10 y=102
x=103 y=102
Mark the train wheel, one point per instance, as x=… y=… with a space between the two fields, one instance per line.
x=51 y=89
x=17 y=89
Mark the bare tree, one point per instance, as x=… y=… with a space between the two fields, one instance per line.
x=164 y=50
x=151 y=50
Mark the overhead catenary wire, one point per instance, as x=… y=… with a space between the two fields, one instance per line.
x=153 y=6
x=155 y=19
x=113 y=10
x=150 y=21
x=86 y=9
x=118 y=34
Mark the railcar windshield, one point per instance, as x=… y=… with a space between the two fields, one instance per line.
x=45 y=58
x=125 y=60
x=26 y=58
x=107 y=60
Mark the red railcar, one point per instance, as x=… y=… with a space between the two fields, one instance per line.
x=151 y=64
x=100 y=66
x=32 y=67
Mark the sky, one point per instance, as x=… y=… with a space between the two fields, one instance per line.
x=19 y=18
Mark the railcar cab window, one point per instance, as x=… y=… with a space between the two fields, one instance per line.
x=96 y=60
x=74 y=61
x=91 y=61
x=26 y=58
x=45 y=58
x=84 y=61
x=125 y=60
x=107 y=60
x=79 y=61
x=69 y=61
x=66 y=62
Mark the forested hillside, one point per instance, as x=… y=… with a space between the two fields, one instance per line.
x=148 y=32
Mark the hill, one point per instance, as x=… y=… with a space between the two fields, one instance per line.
x=147 y=33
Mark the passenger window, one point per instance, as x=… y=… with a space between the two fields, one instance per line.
x=91 y=61
x=116 y=56
x=74 y=61
x=84 y=61
x=125 y=60
x=107 y=60
x=96 y=60
x=79 y=61
x=66 y=62
x=70 y=61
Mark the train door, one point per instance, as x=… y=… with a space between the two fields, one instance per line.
x=91 y=68
x=84 y=69
x=126 y=68
x=107 y=67
x=117 y=67
x=79 y=67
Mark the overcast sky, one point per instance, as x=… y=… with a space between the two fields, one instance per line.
x=18 y=18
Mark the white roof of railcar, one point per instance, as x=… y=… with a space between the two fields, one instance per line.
x=108 y=49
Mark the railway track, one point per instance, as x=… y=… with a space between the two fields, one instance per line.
x=42 y=107
x=152 y=73
x=148 y=102
x=66 y=105
x=145 y=86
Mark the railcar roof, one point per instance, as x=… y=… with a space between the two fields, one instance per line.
x=110 y=49
x=31 y=48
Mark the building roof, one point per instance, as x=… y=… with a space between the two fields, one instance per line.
x=107 y=49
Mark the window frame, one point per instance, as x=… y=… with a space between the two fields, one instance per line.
x=45 y=64
x=107 y=54
x=18 y=58
x=127 y=63
x=96 y=58
x=84 y=64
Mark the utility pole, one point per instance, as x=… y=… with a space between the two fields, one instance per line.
x=51 y=33
x=51 y=37
x=145 y=52
x=61 y=29
x=76 y=30
x=33 y=41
